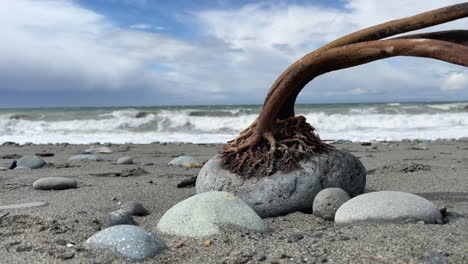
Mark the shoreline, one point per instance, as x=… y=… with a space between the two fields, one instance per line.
x=37 y=234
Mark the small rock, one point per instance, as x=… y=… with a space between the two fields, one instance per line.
x=125 y=160
x=295 y=237
x=121 y=217
x=85 y=157
x=144 y=164
x=44 y=154
x=207 y=243
x=328 y=201
x=366 y=143
x=187 y=182
x=30 y=161
x=3 y=169
x=8 y=164
x=107 y=144
x=54 y=183
x=96 y=150
x=130 y=242
x=10 y=143
x=184 y=161
x=134 y=208
x=432 y=257
x=386 y=207
x=420 y=146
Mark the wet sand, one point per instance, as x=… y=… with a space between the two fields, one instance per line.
x=437 y=171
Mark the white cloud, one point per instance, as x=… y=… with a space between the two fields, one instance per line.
x=455 y=81
x=147 y=27
x=58 y=44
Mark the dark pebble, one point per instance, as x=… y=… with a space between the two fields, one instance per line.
x=295 y=237
x=134 y=208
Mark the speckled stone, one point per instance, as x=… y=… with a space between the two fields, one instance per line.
x=328 y=201
x=130 y=242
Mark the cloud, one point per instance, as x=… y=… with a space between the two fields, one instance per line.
x=59 y=46
x=147 y=27
x=455 y=81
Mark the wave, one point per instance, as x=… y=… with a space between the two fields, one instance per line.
x=356 y=123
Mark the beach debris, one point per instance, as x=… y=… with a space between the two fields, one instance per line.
x=96 y=150
x=31 y=162
x=54 y=183
x=11 y=156
x=187 y=182
x=386 y=207
x=207 y=243
x=130 y=242
x=8 y=164
x=128 y=172
x=328 y=201
x=206 y=214
x=23 y=205
x=282 y=193
x=125 y=160
x=44 y=154
x=416 y=167
x=85 y=157
x=134 y=208
x=184 y=161
x=120 y=217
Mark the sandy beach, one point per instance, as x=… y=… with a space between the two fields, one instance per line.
x=435 y=170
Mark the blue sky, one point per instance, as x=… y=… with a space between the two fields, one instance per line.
x=155 y=52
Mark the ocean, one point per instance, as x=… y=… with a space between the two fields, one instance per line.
x=220 y=123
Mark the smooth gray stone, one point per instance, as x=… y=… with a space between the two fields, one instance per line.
x=283 y=193
x=86 y=157
x=30 y=161
x=386 y=207
x=207 y=213
x=54 y=183
x=23 y=205
x=8 y=163
x=144 y=164
x=328 y=201
x=95 y=150
x=120 y=217
x=128 y=241
x=125 y=160
x=184 y=161
x=134 y=208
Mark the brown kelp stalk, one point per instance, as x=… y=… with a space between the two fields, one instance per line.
x=278 y=140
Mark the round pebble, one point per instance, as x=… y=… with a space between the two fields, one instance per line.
x=125 y=160
x=328 y=201
x=134 y=208
x=121 y=217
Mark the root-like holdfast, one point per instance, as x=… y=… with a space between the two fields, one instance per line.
x=256 y=154
x=277 y=140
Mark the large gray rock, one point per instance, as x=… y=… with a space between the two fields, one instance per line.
x=207 y=213
x=386 y=207
x=128 y=241
x=328 y=201
x=30 y=161
x=184 y=161
x=85 y=157
x=283 y=193
x=54 y=183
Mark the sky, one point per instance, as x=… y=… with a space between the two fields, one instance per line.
x=57 y=53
